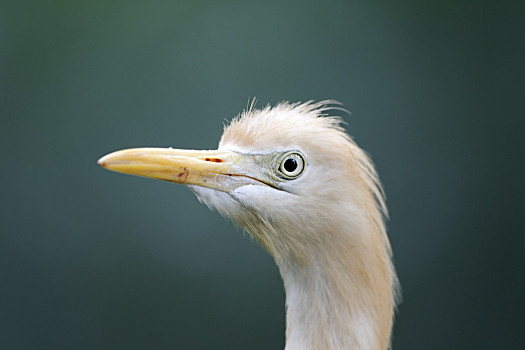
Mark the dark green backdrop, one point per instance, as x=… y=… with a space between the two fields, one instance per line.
x=95 y=260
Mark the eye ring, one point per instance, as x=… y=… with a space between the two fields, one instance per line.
x=291 y=165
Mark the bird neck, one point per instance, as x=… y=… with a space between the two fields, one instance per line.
x=342 y=298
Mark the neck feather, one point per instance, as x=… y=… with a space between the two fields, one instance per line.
x=343 y=297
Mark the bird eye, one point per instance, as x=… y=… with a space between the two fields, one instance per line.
x=291 y=165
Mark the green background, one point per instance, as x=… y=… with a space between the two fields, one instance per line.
x=95 y=260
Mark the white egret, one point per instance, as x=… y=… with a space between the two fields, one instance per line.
x=292 y=178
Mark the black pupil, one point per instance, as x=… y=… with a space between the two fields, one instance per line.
x=290 y=165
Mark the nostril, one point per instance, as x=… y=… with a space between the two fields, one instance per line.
x=215 y=160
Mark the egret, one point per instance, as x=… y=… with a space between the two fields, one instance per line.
x=299 y=185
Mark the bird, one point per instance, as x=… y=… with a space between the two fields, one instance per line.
x=293 y=178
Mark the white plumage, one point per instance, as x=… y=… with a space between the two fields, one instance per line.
x=309 y=195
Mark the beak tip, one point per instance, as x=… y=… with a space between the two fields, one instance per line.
x=102 y=162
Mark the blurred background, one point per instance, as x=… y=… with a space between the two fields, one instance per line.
x=96 y=260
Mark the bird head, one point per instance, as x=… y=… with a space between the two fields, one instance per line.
x=281 y=173
x=292 y=178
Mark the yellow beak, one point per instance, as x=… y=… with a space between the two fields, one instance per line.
x=212 y=169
